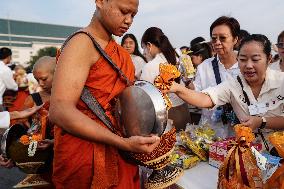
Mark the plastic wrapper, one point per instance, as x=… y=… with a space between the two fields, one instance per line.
x=197 y=140
x=183 y=158
x=276 y=181
x=271 y=165
x=186 y=67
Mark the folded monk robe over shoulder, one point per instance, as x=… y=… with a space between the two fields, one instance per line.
x=79 y=163
x=86 y=150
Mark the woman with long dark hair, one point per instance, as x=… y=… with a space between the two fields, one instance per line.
x=158 y=49
x=129 y=42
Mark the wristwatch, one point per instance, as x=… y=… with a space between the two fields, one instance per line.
x=263 y=123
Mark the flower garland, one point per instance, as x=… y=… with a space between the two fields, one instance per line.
x=165 y=79
x=32 y=141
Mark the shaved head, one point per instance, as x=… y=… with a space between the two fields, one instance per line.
x=45 y=63
x=43 y=72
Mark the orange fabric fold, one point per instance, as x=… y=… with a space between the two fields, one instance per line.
x=82 y=164
x=277 y=179
x=18 y=104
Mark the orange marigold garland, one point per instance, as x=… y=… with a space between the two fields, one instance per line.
x=32 y=139
x=242 y=131
x=164 y=80
x=25 y=139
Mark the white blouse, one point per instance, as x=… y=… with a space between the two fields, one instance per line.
x=275 y=66
x=271 y=95
x=138 y=64
x=6 y=80
x=4 y=120
x=205 y=78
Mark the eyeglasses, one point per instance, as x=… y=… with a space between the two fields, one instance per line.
x=280 y=45
x=220 y=38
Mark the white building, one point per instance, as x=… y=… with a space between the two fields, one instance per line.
x=26 y=38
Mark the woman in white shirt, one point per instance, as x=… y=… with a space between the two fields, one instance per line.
x=6 y=75
x=224 y=35
x=158 y=49
x=256 y=95
x=279 y=65
x=129 y=42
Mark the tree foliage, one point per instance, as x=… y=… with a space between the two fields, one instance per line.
x=47 y=51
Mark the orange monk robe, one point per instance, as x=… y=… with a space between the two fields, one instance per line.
x=83 y=164
x=18 y=104
x=28 y=102
x=49 y=132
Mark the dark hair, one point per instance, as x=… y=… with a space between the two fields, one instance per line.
x=196 y=40
x=159 y=39
x=243 y=34
x=184 y=47
x=5 y=52
x=136 y=48
x=280 y=36
x=262 y=39
x=202 y=49
x=231 y=22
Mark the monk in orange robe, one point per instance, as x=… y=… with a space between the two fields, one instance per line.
x=43 y=71
x=86 y=151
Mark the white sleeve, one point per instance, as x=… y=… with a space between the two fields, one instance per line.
x=4 y=120
x=147 y=74
x=197 y=80
x=139 y=64
x=219 y=94
x=9 y=80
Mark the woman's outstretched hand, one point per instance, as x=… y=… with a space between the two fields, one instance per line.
x=173 y=88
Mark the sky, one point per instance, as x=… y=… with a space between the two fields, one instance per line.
x=180 y=20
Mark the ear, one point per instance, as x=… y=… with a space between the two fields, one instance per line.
x=269 y=59
x=236 y=39
x=149 y=46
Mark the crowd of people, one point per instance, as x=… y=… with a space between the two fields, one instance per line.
x=236 y=81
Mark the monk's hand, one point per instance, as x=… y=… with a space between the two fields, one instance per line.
x=143 y=144
x=44 y=144
x=7 y=163
x=253 y=122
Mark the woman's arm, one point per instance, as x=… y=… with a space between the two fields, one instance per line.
x=25 y=113
x=192 y=97
x=275 y=123
x=69 y=79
